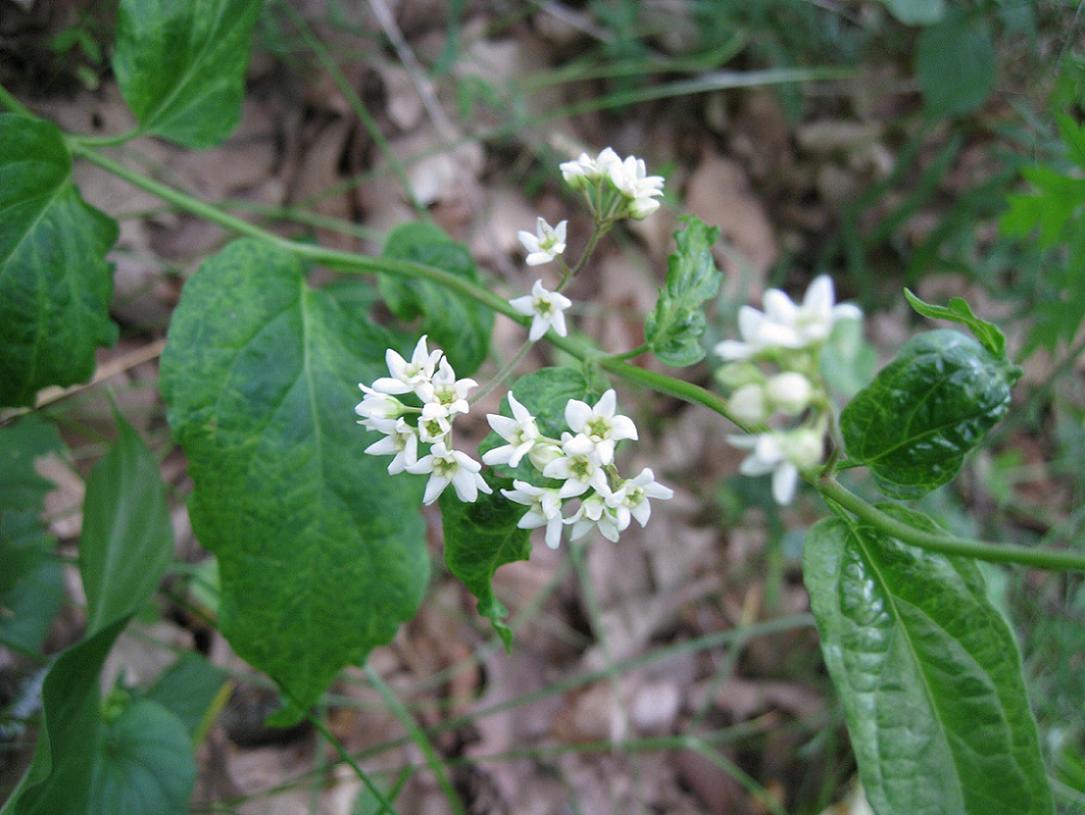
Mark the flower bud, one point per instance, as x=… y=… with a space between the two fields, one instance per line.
x=748 y=404
x=737 y=374
x=804 y=448
x=789 y=392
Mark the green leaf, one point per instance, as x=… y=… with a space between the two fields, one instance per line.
x=321 y=554
x=1073 y=136
x=144 y=765
x=917 y=12
x=1054 y=204
x=31 y=585
x=956 y=65
x=913 y=425
x=958 y=311
x=188 y=689
x=127 y=539
x=544 y=393
x=181 y=66
x=59 y=778
x=928 y=672
x=457 y=324
x=479 y=538
x=676 y=324
x=55 y=285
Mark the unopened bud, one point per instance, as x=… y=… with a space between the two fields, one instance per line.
x=748 y=404
x=789 y=392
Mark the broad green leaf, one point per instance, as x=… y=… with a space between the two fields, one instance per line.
x=188 y=689
x=479 y=538
x=956 y=64
x=127 y=540
x=455 y=323
x=928 y=672
x=55 y=285
x=925 y=410
x=676 y=324
x=1056 y=200
x=917 y=12
x=144 y=764
x=958 y=311
x=21 y=443
x=181 y=65
x=321 y=553
x=59 y=778
x=545 y=393
x=31 y=584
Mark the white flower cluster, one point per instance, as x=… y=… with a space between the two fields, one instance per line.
x=789 y=336
x=583 y=460
x=628 y=177
x=434 y=398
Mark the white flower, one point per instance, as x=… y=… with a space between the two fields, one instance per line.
x=594 y=512
x=434 y=428
x=401 y=441
x=545 y=509
x=406 y=376
x=578 y=466
x=748 y=404
x=546 y=308
x=377 y=406
x=546 y=244
x=521 y=432
x=783 y=455
x=599 y=425
x=450 y=467
x=789 y=392
x=543 y=453
x=444 y=395
x=631 y=179
x=631 y=498
x=586 y=170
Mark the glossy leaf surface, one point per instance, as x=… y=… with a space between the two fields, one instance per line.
x=321 y=554
x=127 y=540
x=928 y=673
x=181 y=65
x=925 y=410
x=55 y=285
x=675 y=326
x=457 y=324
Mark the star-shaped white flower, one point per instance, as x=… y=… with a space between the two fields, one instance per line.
x=599 y=424
x=521 y=432
x=782 y=454
x=594 y=513
x=444 y=395
x=546 y=244
x=785 y=324
x=631 y=179
x=377 y=406
x=586 y=170
x=401 y=442
x=545 y=509
x=631 y=498
x=450 y=467
x=546 y=308
x=578 y=466
x=406 y=376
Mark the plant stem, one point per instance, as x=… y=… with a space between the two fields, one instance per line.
x=418 y=737
x=687 y=391
x=633 y=352
x=947 y=544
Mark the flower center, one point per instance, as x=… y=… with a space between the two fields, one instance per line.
x=433 y=428
x=598 y=428
x=444 y=467
x=581 y=468
x=542 y=306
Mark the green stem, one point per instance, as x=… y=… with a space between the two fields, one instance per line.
x=947 y=544
x=687 y=391
x=418 y=737
x=106 y=141
x=633 y=352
